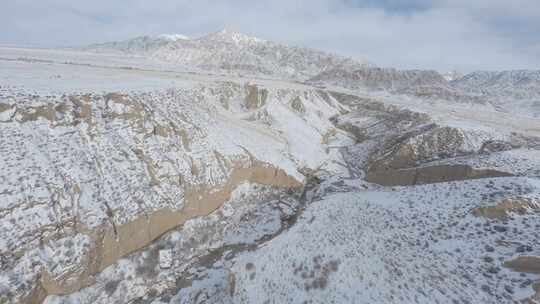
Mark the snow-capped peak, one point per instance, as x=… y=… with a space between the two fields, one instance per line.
x=452 y=75
x=227 y=35
x=232 y=51
x=173 y=37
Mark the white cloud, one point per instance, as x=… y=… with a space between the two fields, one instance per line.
x=440 y=34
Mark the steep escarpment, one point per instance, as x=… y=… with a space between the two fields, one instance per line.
x=423 y=84
x=428 y=154
x=408 y=148
x=88 y=179
x=514 y=91
x=109 y=244
x=431 y=174
x=518 y=84
x=380 y=78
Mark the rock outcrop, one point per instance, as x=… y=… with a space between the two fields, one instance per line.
x=88 y=179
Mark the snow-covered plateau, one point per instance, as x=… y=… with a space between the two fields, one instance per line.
x=232 y=169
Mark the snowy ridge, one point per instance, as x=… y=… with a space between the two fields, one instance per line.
x=509 y=91
x=232 y=52
x=227 y=35
x=173 y=37
x=126 y=179
x=452 y=75
x=136 y=46
x=381 y=78
x=518 y=84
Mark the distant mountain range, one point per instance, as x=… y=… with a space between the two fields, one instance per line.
x=316 y=178
x=231 y=52
x=228 y=51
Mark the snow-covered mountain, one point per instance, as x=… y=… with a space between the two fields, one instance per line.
x=512 y=91
x=228 y=51
x=124 y=179
x=380 y=78
x=173 y=37
x=452 y=75
x=517 y=84
x=137 y=46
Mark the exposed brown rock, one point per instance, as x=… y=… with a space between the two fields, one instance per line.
x=255 y=97
x=34 y=113
x=536 y=297
x=502 y=210
x=82 y=108
x=5 y=107
x=37 y=295
x=111 y=244
x=298 y=106
x=419 y=146
x=526 y=264
x=430 y=175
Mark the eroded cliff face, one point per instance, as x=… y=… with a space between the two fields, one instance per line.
x=404 y=148
x=108 y=244
x=88 y=179
x=507 y=208
x=430 y=174
x=244 y=185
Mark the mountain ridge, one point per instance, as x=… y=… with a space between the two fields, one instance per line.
x=127 y=179
x=231 y=51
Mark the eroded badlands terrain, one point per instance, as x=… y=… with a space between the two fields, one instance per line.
x=133 y=177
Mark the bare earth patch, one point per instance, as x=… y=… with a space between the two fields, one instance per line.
x=502 y=210
x=527 y=264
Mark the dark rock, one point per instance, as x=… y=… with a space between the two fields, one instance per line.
x=500 y=228
x=494 y=269
x=488 y=259
x=489 y=248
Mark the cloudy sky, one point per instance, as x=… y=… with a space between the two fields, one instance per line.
x=431 y=34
